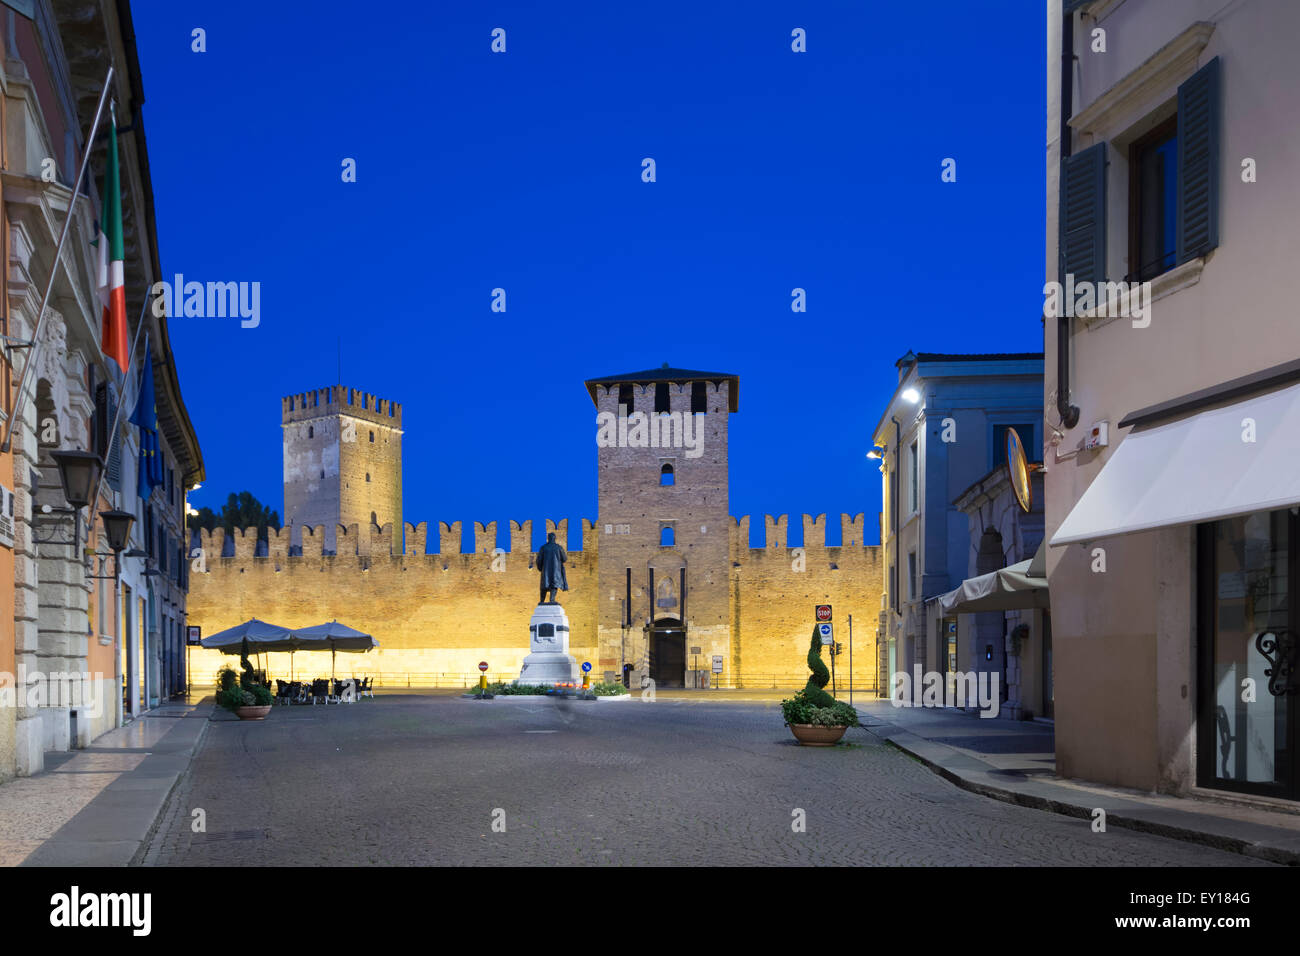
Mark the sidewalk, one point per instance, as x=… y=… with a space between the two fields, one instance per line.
x=1015 y=761
x=96 y=807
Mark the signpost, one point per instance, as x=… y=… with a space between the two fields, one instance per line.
x=717 y=669
x=482 y=677
x=586 y=674
x=827 y=633
x=850 y=660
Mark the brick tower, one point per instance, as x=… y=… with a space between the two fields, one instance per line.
x=342 y=461
x=664 y=525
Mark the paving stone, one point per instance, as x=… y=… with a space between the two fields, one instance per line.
x=415 y=780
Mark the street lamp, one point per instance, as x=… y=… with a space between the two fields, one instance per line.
x=117 y=531
x=117 y=528
x=79 y=473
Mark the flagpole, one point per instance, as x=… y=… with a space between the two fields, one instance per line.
x=58 y=260
x=121 y=403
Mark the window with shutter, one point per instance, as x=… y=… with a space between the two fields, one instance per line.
x=1083 y=215
x=1198 y=162
x=105 y=446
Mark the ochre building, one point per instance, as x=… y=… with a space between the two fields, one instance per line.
x=665 y=581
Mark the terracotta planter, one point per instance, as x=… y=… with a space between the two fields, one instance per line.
x=811 y=735
x=253 y=712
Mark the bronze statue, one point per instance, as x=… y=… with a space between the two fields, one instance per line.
x=550 y=562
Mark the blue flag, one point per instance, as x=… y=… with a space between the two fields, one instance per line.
x=145 y=417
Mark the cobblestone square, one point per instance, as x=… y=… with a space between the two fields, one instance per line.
x=419 y=779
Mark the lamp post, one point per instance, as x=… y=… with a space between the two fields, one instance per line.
x=117 y=530
x=79 y=474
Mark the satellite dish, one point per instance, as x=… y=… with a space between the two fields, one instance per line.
x=1018 y=470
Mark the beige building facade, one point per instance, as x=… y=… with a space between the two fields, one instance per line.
x=1171 y=466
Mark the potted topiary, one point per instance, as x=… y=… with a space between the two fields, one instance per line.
x=815 y=717
x=248 y=699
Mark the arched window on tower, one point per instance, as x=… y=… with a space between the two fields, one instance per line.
x=666 y=475
x=367 y=476
x=372 y=438
x=666 y=536
x=311 y=432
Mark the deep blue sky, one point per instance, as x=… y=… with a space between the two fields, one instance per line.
x=523 y=170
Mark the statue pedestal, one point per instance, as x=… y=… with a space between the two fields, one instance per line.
x=549 y=660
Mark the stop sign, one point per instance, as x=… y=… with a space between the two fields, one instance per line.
x=482 y=665
x=823 y=612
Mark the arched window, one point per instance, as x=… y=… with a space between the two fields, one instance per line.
x=311 y=432
x=374 y=518
x=666 y=536
x=367 y=476
x=666 y=475
x=372 y=438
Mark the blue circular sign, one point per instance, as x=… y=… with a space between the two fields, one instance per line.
x=586 y=665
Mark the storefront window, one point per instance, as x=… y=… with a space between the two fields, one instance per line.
x=1248 y=704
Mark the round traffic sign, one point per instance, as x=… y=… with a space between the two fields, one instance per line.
x=586 y=666
x=823 y=612
x=482 y=665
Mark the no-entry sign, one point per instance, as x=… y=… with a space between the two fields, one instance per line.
x=482 y=665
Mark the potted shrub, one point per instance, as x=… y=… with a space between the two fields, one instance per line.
x=815 y=717
x=251 y=701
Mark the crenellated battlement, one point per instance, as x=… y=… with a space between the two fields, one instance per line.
x=340 y=400
x=377 y=541
x=776 y=536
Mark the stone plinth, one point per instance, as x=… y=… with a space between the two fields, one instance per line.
x=549 y=659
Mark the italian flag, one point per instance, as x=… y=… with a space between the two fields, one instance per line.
x=112 y=292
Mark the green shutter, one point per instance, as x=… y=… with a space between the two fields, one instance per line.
x=1198 y=163
x=1083 y=215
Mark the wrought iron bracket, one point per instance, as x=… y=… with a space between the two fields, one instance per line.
x=1279 y=649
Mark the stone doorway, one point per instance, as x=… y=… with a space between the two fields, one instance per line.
x=667 y=646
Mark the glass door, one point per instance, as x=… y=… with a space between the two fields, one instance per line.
x=1248 y=703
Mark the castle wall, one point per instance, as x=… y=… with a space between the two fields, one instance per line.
x=776 y=589
x=437 y=615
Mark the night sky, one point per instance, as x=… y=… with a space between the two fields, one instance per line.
x=522 y=171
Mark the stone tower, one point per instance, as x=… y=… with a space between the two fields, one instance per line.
x=664 y=525
x=342 y=461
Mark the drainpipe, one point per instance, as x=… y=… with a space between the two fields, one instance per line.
x=893 y=585
x=1069 y=413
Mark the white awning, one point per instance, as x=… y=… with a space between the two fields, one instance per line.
x=1017 y=587
x=1195 y=469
